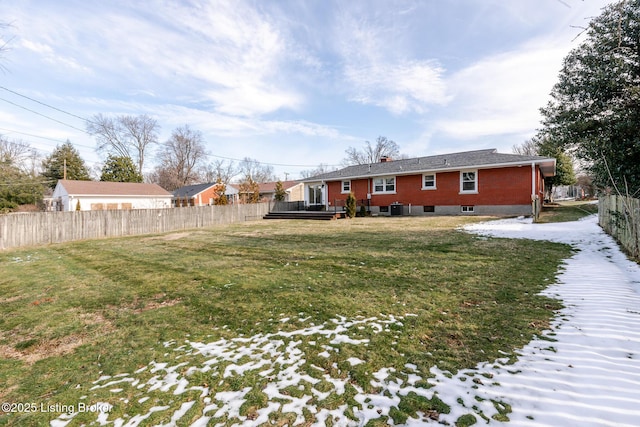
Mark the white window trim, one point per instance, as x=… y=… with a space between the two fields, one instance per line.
x=385 y=178
x=434 y=181
x=470 y=209
x=342 y=190
x=475 y=171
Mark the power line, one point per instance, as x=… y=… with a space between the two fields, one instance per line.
x=42 y=103
x=43 y=115
x=89 y=121
x=46 y=137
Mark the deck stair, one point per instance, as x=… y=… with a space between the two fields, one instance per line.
x=315 y=215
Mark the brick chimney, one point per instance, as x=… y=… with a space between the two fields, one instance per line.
x=385 y=159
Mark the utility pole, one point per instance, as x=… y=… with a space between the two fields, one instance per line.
x=64 y=172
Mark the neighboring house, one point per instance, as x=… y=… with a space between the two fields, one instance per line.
x=472 y=182
x=568 y=192
x=202 y=194
x=294 y=190
x=70 y=195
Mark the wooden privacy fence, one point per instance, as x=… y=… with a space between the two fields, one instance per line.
x=39 y=228
x=619 y=216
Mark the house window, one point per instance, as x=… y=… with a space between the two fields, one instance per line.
x=384 y=208
x=429 y=181
x=467 y=209
x=346 y=186
x=384 y=184
x=429 y=208
x=469 y=182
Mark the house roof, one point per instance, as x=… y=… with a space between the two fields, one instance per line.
x=193 y=190
x=489 y=158
x=104 y=188
x=270 y=187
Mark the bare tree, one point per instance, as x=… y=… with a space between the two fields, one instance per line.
x=125 y=136
x=220 y=171
x=527 y=148
x=14 y=152
x=308 y=173
x=372 y=154
x=253 y=170
x=180 y=158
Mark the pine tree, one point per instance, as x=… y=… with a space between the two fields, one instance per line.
x=120 y=169
x=64 y=157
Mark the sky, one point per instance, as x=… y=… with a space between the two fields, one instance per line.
x=289 y=83
x=583 y=371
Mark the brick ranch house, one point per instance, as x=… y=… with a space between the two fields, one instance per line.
x=472 y=182
x=203 y=194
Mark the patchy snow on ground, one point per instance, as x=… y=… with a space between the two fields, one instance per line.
x=585 y=371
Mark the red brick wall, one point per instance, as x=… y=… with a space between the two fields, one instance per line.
x=203 y=199
x=500 y=186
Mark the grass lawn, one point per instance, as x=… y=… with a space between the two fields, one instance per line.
x=567 y=211
x=274 y=317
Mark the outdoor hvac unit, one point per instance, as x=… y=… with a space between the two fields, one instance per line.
x=396 y=209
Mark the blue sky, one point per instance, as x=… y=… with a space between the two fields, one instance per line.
x=289 y=83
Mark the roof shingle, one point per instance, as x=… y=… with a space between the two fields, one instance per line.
x=468 y=159
x=104 y=188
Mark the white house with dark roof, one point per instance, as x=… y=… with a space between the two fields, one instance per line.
x=471 y=182
x=71 y=195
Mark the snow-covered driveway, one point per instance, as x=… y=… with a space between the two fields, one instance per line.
x=590 y=374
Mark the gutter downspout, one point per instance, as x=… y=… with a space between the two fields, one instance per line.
x=325 y=195
x=534 y=207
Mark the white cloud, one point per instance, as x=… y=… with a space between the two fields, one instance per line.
x=225 y=52
x=50 y=56
x=407 y=86
x=502 y=94
x=377 y=73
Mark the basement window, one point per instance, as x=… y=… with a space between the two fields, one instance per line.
x=429 y=208
x=467 y=209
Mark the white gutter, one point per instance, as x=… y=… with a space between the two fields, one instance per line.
x=439 y=170
x=325 y=195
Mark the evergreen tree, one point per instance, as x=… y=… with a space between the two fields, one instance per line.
x=351 y=205
x=120 y=169
x=565 y=174
x=19 y=188
x=595 y=108
x=53 y=167
x=280 y=194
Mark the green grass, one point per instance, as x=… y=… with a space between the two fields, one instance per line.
x=72 y=313
x=567 y=211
